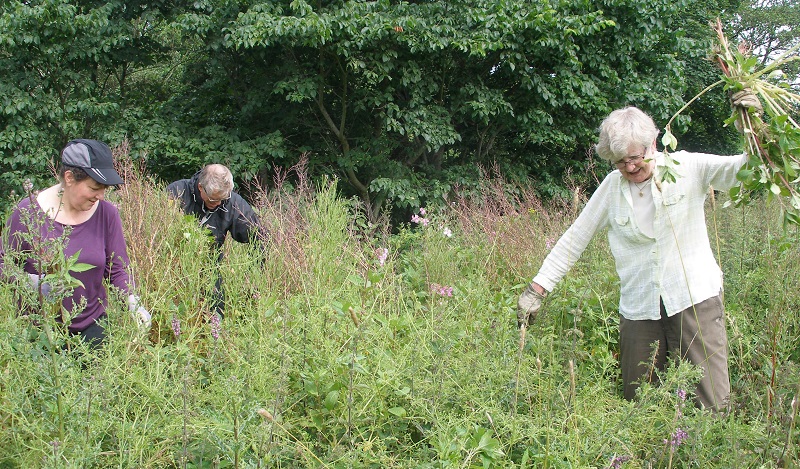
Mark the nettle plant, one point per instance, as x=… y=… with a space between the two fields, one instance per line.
x=44 y=303
x=55 y=267
x=772 y=141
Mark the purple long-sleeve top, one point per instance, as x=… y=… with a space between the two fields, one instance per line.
x=101 y=244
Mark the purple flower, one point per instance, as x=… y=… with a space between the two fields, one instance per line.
x=422 y=211
x=682 y=394
x=176 y=327
x=549 y=244
x=677 y=437
x=216 y=325
x=617 y=461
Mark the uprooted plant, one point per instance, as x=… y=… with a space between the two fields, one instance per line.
x=772 y=141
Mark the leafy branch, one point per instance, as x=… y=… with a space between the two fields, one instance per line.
x=772 y=142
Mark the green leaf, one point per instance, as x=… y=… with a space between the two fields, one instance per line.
x=331 y=399
x=81 y=267
x=669 y=140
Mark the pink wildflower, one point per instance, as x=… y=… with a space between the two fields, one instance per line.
x=176 y=326
x=419 y=220
x=382 y=254
x=216 y=325
x=422 y=211
x=441 y=290
x=447 y=232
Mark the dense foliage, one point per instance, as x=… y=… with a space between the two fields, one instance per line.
x=349 y=347
x=403 y=101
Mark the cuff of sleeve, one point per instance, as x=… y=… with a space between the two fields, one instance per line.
x=545 y=283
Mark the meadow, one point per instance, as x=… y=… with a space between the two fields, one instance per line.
x=348 y=345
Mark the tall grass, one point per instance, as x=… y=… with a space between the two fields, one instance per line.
x=335 y=353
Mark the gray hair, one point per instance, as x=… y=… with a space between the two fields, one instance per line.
x=216 y=178
x=621 y=129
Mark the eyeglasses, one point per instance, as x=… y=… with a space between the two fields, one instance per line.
x=214 y=201
x=634 y=160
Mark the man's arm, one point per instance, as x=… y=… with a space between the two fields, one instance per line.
x=246 y=225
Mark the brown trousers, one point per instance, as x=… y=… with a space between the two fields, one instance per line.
x=696 y=334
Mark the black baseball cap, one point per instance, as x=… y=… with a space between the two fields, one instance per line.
x=94 y=157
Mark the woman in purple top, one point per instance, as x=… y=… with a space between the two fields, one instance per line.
x=93 y=228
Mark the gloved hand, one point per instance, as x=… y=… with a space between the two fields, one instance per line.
x=141 y=315
x=35 y=280
x=747 y=99
x=528 y=305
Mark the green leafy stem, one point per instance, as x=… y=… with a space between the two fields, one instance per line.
x=772 y=142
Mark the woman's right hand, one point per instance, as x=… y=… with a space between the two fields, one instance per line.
x=529 y=304
x=35 y=280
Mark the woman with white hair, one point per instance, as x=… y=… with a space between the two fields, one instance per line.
x=670 y=283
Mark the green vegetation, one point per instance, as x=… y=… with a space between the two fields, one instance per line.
x=349 y=346
x=401 y=101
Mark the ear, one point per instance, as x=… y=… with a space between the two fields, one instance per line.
x=69 y=177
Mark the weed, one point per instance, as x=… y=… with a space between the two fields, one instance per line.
x=348 y=346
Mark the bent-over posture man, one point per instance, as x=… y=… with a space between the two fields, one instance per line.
x=209 y=196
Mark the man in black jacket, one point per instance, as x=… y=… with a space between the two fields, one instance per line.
x=209 y=196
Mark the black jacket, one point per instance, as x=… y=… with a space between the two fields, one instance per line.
x=234 y=216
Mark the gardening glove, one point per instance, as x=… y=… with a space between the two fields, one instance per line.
x=35 y=280
x=747 y=99
x=141 y=315
x=528 y=305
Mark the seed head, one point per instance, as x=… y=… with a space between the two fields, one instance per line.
x=265 y=413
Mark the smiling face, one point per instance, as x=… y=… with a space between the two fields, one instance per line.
x=638 y=166
x=83 y=195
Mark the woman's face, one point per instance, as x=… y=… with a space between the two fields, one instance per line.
x=638 y=166
x=85 y=194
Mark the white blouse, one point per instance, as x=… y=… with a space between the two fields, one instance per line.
x=673 y=262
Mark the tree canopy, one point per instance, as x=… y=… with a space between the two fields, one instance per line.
x=402 y=100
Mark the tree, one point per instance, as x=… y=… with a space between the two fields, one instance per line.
x=405 y=100
x=66 y=67
x=771 y=27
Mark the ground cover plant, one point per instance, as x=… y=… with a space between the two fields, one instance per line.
x=348 y=345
